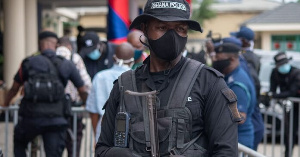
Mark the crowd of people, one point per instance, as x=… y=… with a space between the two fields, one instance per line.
x=201 y=109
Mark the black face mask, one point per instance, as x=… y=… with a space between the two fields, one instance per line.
x=168 y=46
x=220 y=65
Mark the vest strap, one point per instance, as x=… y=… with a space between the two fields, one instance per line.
x=184 y=83
x=128 y=82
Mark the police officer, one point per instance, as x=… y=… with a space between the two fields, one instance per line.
x=257 y=119
x=208 y=114
x=287 y=78
x=227 y=62
x=32 y=122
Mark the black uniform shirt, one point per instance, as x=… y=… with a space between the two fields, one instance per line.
x=209 y=104
x=67 y=71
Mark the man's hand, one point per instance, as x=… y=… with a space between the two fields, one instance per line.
x=11 y=93
x=243 y=116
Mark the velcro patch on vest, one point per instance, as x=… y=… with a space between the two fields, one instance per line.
x=229 y=95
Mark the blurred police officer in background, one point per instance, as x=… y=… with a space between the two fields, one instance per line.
x=43 y=112
x=227 y=62
x=257 y=119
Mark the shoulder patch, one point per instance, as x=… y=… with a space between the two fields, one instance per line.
x=214 y=71
x=232 y=99
x=229 y=95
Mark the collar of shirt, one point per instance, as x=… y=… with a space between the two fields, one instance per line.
x=170 y=72
x=120 y=68
x=145 y=74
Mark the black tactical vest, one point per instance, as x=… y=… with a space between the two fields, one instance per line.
x=174 y=121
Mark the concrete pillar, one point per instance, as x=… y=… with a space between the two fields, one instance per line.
x=14 y=37
x=31 y=30
x=266 y=41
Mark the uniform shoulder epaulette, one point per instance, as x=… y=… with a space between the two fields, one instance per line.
x=214 y=71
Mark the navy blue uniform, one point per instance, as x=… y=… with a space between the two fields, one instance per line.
x=53 y=129
x=242 y=86
x=257 y=119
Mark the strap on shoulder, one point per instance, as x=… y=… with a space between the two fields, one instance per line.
x=52 y=67
x=184 y=83
x=127 y=82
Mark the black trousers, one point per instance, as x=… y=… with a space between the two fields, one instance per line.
x=294 y=129
x=53 y=138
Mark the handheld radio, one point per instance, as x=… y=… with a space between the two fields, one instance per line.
x=121 y=129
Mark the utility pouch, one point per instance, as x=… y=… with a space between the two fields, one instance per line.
x=67 y=102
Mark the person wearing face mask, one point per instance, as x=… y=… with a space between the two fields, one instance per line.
x=103 y=83
x=96 y=55
x=227 y=62
x=192 y=100
x=287 y=78
x=257 y=119
x=140 y=55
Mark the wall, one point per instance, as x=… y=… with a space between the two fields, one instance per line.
x=223 y=23
x=94 y=21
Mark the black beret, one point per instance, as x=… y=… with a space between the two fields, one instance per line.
x=227 y=48
x=47 y=34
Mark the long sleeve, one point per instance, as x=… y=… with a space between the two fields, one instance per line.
x=105 y=146
x=221 y=125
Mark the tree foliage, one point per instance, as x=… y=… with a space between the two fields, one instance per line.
x=203 y=12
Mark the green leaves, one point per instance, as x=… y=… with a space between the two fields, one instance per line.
x=203 y=12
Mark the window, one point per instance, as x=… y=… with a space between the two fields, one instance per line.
x=286 y=42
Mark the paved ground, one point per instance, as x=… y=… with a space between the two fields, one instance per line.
x=277 y=152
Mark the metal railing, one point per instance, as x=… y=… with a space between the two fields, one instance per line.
x=87 y=147
x=247 y=152
x=274 y=121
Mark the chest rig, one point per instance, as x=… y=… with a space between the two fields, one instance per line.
x=174 y=121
